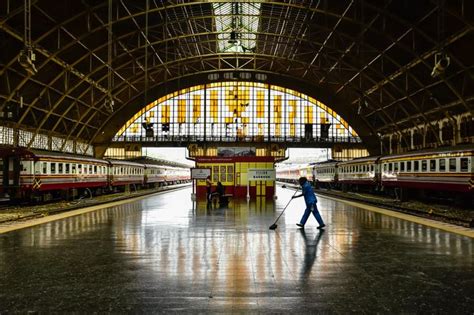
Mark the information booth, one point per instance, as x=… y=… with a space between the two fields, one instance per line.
x=232 y=173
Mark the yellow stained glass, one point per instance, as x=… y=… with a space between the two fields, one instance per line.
x=214 y=105
x=260 y=104
x=308 y=117
x=181 y=111
x=165 y=114
x=291 y=117
x=277 y=108
x=196 y=107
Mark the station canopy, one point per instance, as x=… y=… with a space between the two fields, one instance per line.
x=77 y=71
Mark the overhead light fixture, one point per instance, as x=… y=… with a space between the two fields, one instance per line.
x=442 y=61
x=26 y=59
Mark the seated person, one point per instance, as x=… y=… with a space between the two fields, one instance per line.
x=219 y=193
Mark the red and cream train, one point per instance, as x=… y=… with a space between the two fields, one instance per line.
x=448 y=172
x=30 y=174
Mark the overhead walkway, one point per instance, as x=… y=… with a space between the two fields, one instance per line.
x=162 y=253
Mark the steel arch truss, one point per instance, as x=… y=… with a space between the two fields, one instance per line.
x=373 y=58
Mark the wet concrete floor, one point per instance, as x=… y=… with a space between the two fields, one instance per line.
x=163 y=254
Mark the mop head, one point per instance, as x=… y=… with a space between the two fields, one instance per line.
x=273 y=226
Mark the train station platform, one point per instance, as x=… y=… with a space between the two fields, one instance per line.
x=165 y=254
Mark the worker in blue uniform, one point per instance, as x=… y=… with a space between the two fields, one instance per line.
x=310 y=200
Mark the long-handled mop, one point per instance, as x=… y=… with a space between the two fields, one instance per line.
x=274 y=225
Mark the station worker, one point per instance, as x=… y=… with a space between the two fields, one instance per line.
x=208 y=188
x=310 y=200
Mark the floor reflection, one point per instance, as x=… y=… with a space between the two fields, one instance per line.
x=168 y=253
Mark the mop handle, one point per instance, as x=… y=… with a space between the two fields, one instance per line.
x=287 y=205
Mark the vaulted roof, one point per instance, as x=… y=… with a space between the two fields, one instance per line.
x=371 y=60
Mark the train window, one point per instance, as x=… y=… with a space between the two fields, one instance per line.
x=402 y=166
x=452 y=165
x=390 y=167
x=395 y=166
x=73 y=168
x=432 y=165
x=464 y=165
x=95 y=169
x=424 y=164
x=45 y=168
x=442 y=165
x=409 y=166
x=90 y=169
x=79 y=168
x=385 y=167
x=371 y=168
x=416 y=166
x=53 y=168
x=60 y=168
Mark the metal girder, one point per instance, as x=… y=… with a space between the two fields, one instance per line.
x=290 y=42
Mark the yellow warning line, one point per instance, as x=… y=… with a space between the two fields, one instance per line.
x=428 y=222
x=17 y=225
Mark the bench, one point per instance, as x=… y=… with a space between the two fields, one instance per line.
x=223 y=200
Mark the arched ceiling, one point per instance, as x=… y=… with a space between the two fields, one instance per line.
x=371 y=60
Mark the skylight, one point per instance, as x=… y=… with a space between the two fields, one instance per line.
x=237 y=25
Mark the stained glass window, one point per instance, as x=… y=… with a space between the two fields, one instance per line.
x=237 y=111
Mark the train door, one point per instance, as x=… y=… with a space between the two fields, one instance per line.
x=10 y=175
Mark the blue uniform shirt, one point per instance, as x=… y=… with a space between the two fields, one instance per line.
x=308 y=193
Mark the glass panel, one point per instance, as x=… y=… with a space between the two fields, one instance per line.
x=452 y=165
x=464 y=165
x=424 y=163
x=432 y=165
x=442 y=165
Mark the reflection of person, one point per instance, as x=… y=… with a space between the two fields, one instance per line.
x=310 y=252
x=310 y=200
x=208 y=188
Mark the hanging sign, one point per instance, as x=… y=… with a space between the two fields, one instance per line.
x=200 y=173
x=261 y=174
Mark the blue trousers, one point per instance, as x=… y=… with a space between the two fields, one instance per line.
x=314 y=209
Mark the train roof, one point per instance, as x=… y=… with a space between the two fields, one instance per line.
x=123 y=162
x=327 y=162
x=60 y=155
x=166 y=167
x=432 y=152
x=360 y=160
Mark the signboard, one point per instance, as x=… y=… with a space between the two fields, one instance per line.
x=200 y=173
x=261 y=174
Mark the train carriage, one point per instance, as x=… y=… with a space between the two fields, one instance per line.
x=288 y=174
x=124 y=173
x=325 y=174
x=359 y=173
x=46 y=175
x=177 y=175
x=445 y=170
x=155 y=175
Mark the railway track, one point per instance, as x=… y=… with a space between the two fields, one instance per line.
x=9 y=213
x=462 y=217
